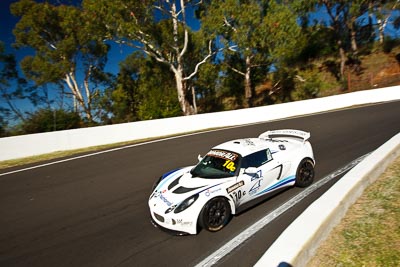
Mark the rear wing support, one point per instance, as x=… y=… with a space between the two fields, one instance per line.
x=286 y=132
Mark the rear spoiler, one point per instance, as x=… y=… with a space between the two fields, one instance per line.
x=287 y=132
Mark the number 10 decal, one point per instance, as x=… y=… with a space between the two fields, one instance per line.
x=238 y=195
x=230 y=165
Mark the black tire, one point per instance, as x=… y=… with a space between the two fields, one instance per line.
x=305 y=173
x=215 y=214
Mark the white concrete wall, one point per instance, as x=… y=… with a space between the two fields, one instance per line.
x=36 y=144
x=298 y=243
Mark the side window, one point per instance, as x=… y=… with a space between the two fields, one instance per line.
x=269 y=155
x=257 y=159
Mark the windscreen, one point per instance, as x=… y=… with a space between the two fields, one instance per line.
x=217 y=164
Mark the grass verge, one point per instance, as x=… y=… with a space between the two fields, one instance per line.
x=52 y=156
x=369 y=234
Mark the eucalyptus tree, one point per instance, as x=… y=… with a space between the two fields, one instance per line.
x=138 y=94
x=158 y=28
x=10 y=88
x=18 y=96
x=338 y=13
x=385 y=11
x=65 y=51
x=253 y=33
x=344 y=19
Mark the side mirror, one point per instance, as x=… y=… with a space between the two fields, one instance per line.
x=251 y=170
x=199 y=157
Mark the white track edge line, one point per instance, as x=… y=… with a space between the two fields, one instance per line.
x=109 y=150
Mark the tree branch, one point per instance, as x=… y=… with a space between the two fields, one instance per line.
x=196 y=69
x=236 y=70
x=186 y=39
x=229 y=25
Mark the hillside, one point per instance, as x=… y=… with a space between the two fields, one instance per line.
x=378 y=69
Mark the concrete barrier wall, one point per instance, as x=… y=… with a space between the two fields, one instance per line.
x=298 y=243
x=36 y=144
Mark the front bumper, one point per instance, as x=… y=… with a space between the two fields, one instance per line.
x=173 y=225
x=169 y=231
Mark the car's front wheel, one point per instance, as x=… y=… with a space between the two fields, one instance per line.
x=305 y=173
x=215 y=214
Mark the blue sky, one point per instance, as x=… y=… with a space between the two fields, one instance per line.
x=118 y=52
x=8 y=22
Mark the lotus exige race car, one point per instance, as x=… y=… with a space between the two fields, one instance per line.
x=230 y=175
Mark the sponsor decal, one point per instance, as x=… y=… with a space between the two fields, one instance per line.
x=163 y=198
x=254 y=189
x=183 y=223
x=249 y=142
x=277 y=141
x=208 y=192
x=223 y=154
x=257 y=175
x=235 y=186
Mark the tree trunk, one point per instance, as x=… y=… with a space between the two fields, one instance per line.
x=354 y=46
x=194 y=100
x=248 y=91
x=181 y=86
x=342 y=61
x=78 y=99
x=342 y=54
x=381 y=29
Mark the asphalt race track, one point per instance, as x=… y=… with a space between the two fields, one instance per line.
x=92 y=211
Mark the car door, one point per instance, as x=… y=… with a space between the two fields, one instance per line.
x=260 y=173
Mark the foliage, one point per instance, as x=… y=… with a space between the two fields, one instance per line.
x=15 y=89
x=158 y=96
x=157 y=28
x=47 y=120
x=207 y=88
x=389 y=43
x=254 y=39
x=284 y=82
x=307 y=84
x=64 y=49
x=10 y=88
x=284 y=47
x=138 y=93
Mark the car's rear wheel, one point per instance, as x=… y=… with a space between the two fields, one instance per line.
x=215 y=214
x=305 y=173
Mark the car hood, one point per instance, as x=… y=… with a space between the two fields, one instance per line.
x=178 y=185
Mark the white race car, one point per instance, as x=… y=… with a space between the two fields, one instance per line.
x=230 y=175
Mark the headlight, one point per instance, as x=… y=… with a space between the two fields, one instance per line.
x=170 y=209
x=186 y=203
